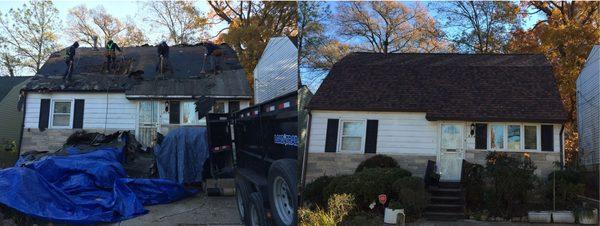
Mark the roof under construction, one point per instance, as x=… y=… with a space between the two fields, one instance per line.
x=136 y=73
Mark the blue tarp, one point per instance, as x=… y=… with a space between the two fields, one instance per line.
x=181 y=155
x=83 y=188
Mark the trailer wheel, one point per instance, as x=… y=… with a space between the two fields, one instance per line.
x=283 y=192
x=242 y=198
x=257 y=216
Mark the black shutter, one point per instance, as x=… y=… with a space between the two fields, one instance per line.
x=547 y=138
x=332 y=135
x=173 y=112
x=371 y=140
x=234 y=106
x=480 y=136
x=78 y=118
x=44 y=114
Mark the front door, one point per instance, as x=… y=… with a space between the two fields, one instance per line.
x=148 y=122
x=451 y=152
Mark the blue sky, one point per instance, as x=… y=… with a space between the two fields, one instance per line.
x=119 y=9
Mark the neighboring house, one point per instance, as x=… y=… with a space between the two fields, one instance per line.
x=277 y=70
x=135 y=98
x=588 y=110
x=11 y=119
x=440 y=107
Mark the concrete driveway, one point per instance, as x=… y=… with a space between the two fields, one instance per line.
x=197 y=210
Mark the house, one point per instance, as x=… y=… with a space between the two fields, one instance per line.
x=12 y=119
x=588 y=110
x=277 y=70
x=445 y=108
x=133 y=97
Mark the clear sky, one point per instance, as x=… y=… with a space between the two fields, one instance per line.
x=119 y=9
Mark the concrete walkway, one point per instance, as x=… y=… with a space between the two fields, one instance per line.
x=199 y=210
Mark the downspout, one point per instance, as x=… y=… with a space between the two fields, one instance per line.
x=562 y=151
x=22 y=123
x=305 y=157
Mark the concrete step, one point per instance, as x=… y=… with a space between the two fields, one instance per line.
x=447 y=184
x=436 y=191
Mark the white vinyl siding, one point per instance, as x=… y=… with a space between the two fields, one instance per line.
x=122 y=113
x=275 y=73
x=588 y=109
x=398 y=133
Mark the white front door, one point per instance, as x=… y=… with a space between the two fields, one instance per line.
x=148 y=122
x=451 y=152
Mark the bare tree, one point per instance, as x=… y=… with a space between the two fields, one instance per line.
x=184 y=23
x=31 y=31
x=389 y=27
x=483 y=26
x=85 y=24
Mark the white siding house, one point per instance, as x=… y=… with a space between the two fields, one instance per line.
x=276 y=71
x=588 y=109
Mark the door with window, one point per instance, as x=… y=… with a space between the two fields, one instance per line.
x=148 y=122
x=451 y=152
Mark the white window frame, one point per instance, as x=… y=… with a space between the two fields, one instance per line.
x=522 y=136
x=71 y=116
x=538 y=136
x=363 y=136
x=201 y=122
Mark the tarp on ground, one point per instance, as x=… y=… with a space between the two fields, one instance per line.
x=83 y=188
x=182 y=153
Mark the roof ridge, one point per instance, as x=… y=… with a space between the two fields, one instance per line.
x=472 y=54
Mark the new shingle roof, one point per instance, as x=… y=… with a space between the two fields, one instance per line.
x=477 y=87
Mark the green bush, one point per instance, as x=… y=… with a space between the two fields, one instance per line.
x=412 y=196
x=366 y=185
x=377 y=161
x=313 y=191
x=472 y=182
x=511 y=179
x=566 y=189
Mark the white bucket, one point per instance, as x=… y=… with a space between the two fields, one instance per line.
x=391 y=215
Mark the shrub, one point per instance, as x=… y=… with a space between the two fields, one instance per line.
x=366 y=185
x=313 y=192
x=339 y=207
x=472 y=182
x=511 y=179
x=412 y=196
x=377 y=161
x=566 y=189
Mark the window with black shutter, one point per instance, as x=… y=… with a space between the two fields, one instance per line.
x=480 y=136
x=78 y=113
x=44 y=114
x=547 y=138
x=174 y=112
x=371 y=139
x=331 y=135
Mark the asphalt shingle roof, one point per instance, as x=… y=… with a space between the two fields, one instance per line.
x=478 y=87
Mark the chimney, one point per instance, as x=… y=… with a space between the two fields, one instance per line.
x=95 y=38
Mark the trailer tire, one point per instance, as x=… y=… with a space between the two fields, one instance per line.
x=283 y=191
x=242 y=198
x=257 y=215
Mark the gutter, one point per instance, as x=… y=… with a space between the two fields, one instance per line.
x=182 y=97
x=305 y=157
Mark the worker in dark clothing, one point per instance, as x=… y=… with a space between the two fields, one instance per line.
x=69 y=59
x=211 y=54
x=111 y=55
x=163 y=56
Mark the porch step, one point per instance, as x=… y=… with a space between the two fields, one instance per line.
x=452 y=192
x=447 y=202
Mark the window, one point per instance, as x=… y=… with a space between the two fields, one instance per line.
x=514 y=137
x=188 y=113
x=352 y=136
x=219 y=107
x=497 y=137
x=530 y=137
x=61 y=113
x=451 y=136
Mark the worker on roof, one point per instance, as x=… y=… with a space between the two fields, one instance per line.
x=163 y=56
x=69 y=59
x=111 y=55
x=214 y=54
